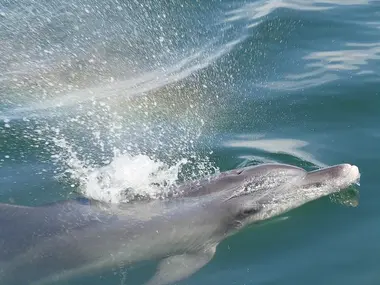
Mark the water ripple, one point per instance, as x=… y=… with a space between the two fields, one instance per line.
x=353 y=58
x=255 y=12
x=292 y=147
x=327 y=66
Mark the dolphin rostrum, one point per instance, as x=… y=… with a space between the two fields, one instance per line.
x=59 y=241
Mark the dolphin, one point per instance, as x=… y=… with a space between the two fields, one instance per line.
x=67 y=239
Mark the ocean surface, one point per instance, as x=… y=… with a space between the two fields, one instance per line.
x=120 y=99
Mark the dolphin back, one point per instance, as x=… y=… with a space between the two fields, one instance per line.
x=21 y=227
x=28 y=233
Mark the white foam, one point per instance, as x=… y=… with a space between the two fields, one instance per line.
x=121 y=180
x=127 y=177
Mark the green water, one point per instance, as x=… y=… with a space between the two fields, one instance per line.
x=221 y=84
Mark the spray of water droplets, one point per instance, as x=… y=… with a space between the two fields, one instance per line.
x=140 y=154
x=111 y=92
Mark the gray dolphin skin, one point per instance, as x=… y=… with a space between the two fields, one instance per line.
x=68 y=239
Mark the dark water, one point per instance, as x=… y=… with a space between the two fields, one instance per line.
x=145 y=85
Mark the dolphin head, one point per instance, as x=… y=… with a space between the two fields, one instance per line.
x=268 y=190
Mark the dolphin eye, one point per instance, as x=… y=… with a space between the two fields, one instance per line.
x=314 y=185
x=239 y=171
x=247 y=212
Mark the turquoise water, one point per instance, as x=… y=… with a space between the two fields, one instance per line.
x=165 y=91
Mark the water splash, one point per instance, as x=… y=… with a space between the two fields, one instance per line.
x=113 y=90
x=117 y=158
x=126 y=178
